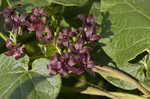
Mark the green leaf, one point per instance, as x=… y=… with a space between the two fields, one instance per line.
x=48 y=50
x=129 y=29
x=116 y=78
x=70 y=2
x=95 y=10
x=29 y=4
x=132 y=70
x=113 y=95
x=146 y=64
x=17 y=82
x=126 y=34
x=102 y=59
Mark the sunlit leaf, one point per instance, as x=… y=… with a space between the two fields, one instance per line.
x=17 y=82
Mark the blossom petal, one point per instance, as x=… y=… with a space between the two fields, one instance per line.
x=23 y=16
x=90 y=18
x=10 y=52
x=94 y=37
x=85 y=49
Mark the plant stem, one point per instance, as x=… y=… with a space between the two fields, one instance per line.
x=9 y=4
x=58 y=50
x=3 y=36
x=109 y=71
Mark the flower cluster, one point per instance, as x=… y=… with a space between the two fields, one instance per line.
x=15 y=50
x=38 y=21
x=88 y=28
x=73 y=45
x=75 y=56
x=64 y=36
x=14 y=21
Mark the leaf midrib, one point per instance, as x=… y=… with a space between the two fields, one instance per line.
x=12 y=84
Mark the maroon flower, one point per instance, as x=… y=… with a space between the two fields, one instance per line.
x=69 y=62
x=62 y=64
x=78 y=47
x=14 y=20
x=39 y=12
x=15 y=50
x=19 y=22
x=86 y=64
x=77 y=59
x=63 y=37
x=88 y=28
x=38 y=22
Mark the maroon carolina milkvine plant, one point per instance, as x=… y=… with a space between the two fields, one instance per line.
x=73 y=44
x=75 y=57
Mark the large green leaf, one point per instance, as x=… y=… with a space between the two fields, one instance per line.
x=125 y=78
x=112 y=95
x=29 y=4
x=95 y=10
x=17 y=82
x=129 y=29
x=70 y=2
x=133 y=70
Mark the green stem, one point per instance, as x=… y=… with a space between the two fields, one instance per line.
x=3 y=36
x=53 y=18
x=9 y=4
x=58 y=49
x=106 y=70
x=13 y=37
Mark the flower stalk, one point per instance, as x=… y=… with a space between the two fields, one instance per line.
x=9 y=4
x=5 y=38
